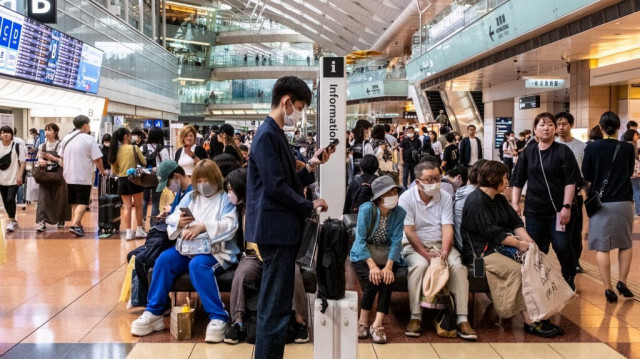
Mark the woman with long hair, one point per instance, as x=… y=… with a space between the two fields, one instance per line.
x=210 y=214
x=155 y=153
x=611 y=226
x=361 y=145
x=225 y=135
x=53 y=205
x=123 y=156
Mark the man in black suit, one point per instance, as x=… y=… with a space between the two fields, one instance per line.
x=470 y=148
x=276 y=210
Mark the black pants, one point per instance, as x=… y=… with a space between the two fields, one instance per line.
x=9 y=199
x=276 y=299
x=575 y=226
x=369 y=290
x=509 y=163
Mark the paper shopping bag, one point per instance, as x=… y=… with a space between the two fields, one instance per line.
x=125 y=292
x=545 y=291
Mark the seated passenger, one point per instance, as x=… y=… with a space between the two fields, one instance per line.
x=488 y=221
x=359 y=190
x=249 y=271
x=214 y=215
x=428 y=229
x=376 y=253
x=172 y=176
x=461 y=196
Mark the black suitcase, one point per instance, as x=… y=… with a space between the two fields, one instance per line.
x=108 y=185
x=109 y=205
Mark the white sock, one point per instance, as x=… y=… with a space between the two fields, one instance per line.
x=462 y=318
x=140 y=228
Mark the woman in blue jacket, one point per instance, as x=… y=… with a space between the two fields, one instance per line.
x=376 y=253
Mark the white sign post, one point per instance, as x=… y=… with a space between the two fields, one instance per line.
x=332 y=122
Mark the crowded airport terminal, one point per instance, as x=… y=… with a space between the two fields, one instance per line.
x=327 y=179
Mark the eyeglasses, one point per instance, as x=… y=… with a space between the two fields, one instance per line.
x=430 y=180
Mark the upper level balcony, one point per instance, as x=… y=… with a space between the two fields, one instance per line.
x=190 y=34
x=377 y=85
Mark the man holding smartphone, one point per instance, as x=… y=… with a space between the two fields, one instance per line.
x=276 y=210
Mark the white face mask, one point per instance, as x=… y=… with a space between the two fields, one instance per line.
x=206 y=189
x=134 y=138
x=390 y=202
x=293 y=118
x=175 y=185
x=232 y=197
x=430 y=189
x=303 y=151
x=511 y=138
x=410 y=135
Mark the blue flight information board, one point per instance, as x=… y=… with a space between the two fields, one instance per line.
x=33 y=51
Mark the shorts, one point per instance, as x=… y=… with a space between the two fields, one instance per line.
x=127 y=188
x=79 y=193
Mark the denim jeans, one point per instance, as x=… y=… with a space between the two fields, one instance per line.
x=407 y=172
x=635 y=184
x=276 y=298
x=202 y=269
x=543 y=232
x=20 y=194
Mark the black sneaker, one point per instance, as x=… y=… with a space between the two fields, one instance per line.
x=235 y=334
x=302 y=334
x=579 y=269
x=541 y=329
x=78 y=231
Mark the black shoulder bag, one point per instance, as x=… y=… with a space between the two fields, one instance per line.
x=594 y=202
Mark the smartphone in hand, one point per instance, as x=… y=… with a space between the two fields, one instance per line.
x=329 y=148
x=186 y=212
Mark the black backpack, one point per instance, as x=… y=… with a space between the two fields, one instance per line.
x=363 y=194
x=333 y=248
x=151 y=157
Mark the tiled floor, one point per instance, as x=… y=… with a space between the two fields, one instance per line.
x=59 y=299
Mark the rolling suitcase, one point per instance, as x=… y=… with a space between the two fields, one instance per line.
x=336 y=331
x=110 y=185
x=108 y=209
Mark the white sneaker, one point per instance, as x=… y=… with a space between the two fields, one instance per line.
x=129 y=235
x=11 y=226
x=140 y=233
x=146 y=324
x=215 y=331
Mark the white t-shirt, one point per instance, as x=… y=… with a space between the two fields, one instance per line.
x=474 y=151
x=392 y=140
x=427 y=219
x=9 y=177
x=78 y=154
x=186 y=162
x=437 y=148
x=508 y=146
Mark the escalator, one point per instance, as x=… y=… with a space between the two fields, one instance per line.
x=435 y=102
x=463 y=110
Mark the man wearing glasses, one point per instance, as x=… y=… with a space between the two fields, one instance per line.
x=428 y=233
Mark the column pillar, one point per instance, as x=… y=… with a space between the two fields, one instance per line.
x=588 y=103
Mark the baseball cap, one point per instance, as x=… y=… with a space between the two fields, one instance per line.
x=226 y=128
x=163 y=171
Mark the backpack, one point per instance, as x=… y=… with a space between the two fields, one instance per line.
x=363 y=194
x=426 y=143
x=333 y=248
x=358 y=153
x=151 y=157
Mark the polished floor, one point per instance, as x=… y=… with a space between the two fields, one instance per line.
x=59 y=299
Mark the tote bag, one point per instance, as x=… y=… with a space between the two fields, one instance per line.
x=545 y=291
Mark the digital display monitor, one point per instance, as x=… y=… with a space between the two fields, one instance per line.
x=529 y=102
x=33 y=51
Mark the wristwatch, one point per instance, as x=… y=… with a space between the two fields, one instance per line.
x=567 y=206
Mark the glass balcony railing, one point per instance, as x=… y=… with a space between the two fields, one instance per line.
x=228 y=26
x=389 y=73
x=252 y=61
x=456 y=16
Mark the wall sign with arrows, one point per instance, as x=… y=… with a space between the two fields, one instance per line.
x=502 y=28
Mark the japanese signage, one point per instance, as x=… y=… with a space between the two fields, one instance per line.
x=504 y=125
x=544 y=83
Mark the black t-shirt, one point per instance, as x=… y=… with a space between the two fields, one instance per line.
x=408 y=146
x=560 y=168
x=451 y=156
x=597 y=160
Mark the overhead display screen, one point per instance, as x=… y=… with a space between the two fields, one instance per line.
x=33 y=51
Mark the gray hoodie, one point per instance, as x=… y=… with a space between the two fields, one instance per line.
x=458 y=205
